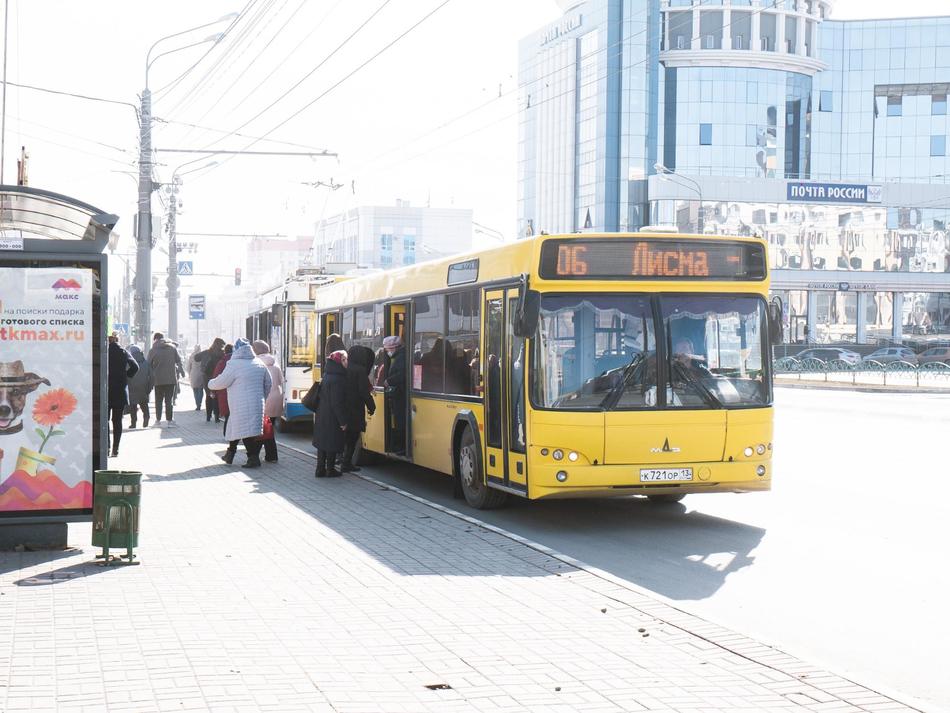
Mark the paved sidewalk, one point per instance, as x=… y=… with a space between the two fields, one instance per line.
x=269 y=590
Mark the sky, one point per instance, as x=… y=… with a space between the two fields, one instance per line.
x=431 y=120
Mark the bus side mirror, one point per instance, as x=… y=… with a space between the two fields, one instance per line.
x=529 y=311
x=775 y=321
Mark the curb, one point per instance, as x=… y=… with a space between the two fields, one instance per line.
x=899 y=698
x=863 y=388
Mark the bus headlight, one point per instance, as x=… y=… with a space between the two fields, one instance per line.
x=748 y=452
x=561 y=476
x=572 y=456
x=760 y=470
x=557 y=454
x=760 y=449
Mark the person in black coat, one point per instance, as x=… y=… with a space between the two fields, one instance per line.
x=122 y=367
x=209 y=359
x=329 y=425
x=396 y=391
x=359 y=398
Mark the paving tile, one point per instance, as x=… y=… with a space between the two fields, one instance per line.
x=268 y=590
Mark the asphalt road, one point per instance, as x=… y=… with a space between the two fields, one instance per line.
x=843 y=563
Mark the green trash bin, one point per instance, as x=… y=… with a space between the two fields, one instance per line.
x=116 y=501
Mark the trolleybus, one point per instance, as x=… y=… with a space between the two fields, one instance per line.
x=283 y=317
x=580 y=365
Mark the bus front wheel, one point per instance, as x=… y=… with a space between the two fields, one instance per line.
x=476 y=491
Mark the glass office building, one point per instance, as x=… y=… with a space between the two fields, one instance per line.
x=754 y=117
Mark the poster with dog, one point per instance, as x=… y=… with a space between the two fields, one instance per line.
x=46 y=388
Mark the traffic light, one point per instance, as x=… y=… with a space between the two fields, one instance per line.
x=237 y=276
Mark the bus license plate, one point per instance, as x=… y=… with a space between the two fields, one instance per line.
x=653 y=475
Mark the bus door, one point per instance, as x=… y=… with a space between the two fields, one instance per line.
x=503 y=367
x=329 y=323
x=273 y=337
x=396 y=414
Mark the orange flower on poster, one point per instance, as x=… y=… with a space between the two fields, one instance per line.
x=52 y=407
x=49 y=410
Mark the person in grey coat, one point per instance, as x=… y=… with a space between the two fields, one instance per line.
x=140 y=386
x=247 y=382
x=329 y=424
x=165 y=362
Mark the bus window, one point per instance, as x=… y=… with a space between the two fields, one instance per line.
x=428 y=355
x=461 y=346
x=346 y=327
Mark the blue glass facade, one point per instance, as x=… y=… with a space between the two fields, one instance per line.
x=705 y=113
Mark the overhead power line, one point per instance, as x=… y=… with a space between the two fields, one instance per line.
x=317 y=26
x=233 y=133
x=240 y=74
x=309 y=74
x=69 y=94
x=174 y=83
x=203 y=85
x=347 y=76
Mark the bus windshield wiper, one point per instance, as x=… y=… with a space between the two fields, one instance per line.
x=687 y=377
x=618 y=388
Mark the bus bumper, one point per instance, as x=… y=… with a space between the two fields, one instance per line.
x=599 y=481
x=297 y=412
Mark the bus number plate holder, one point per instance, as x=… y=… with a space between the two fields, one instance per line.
x=665 y=475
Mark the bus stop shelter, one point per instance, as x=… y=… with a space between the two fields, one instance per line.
x=53 y=358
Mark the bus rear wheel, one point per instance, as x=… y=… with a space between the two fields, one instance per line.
x=667 y=499
x=474 y=488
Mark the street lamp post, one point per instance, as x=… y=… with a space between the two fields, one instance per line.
x=692 y=185
x=143 y=248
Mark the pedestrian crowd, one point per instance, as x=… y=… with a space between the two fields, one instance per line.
x=242 y=385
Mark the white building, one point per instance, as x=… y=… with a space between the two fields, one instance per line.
x=392 y=236
x=270 y=260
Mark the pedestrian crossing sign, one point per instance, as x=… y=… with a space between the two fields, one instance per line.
x=186 y=267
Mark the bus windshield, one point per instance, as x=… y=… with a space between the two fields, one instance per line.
x=300 y=340
x=598 y=352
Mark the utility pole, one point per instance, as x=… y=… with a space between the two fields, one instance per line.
x=173 y=282
x=23 y=168
x=143 y=254
x=3 y=125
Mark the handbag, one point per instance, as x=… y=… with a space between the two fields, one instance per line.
x=268 y=431
x=311 y=399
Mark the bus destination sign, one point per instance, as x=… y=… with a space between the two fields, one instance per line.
x=651 y=258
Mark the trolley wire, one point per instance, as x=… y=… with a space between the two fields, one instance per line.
x=309 y=74
x=211 y=72
x=215 y=104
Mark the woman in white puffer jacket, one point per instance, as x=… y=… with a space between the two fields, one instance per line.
x=248 y=383
x=274 y=404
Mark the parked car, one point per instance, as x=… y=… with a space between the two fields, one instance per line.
x=886 y=355
x=934 y=354
x=829 y=354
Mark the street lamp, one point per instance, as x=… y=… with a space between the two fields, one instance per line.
x=669 y=175
x=143 y=253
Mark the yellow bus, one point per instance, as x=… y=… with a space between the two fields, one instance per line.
x=581 y=365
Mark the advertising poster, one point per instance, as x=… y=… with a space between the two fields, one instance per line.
x=46 y=388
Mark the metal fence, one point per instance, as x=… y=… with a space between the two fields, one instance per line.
x=895 y=373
